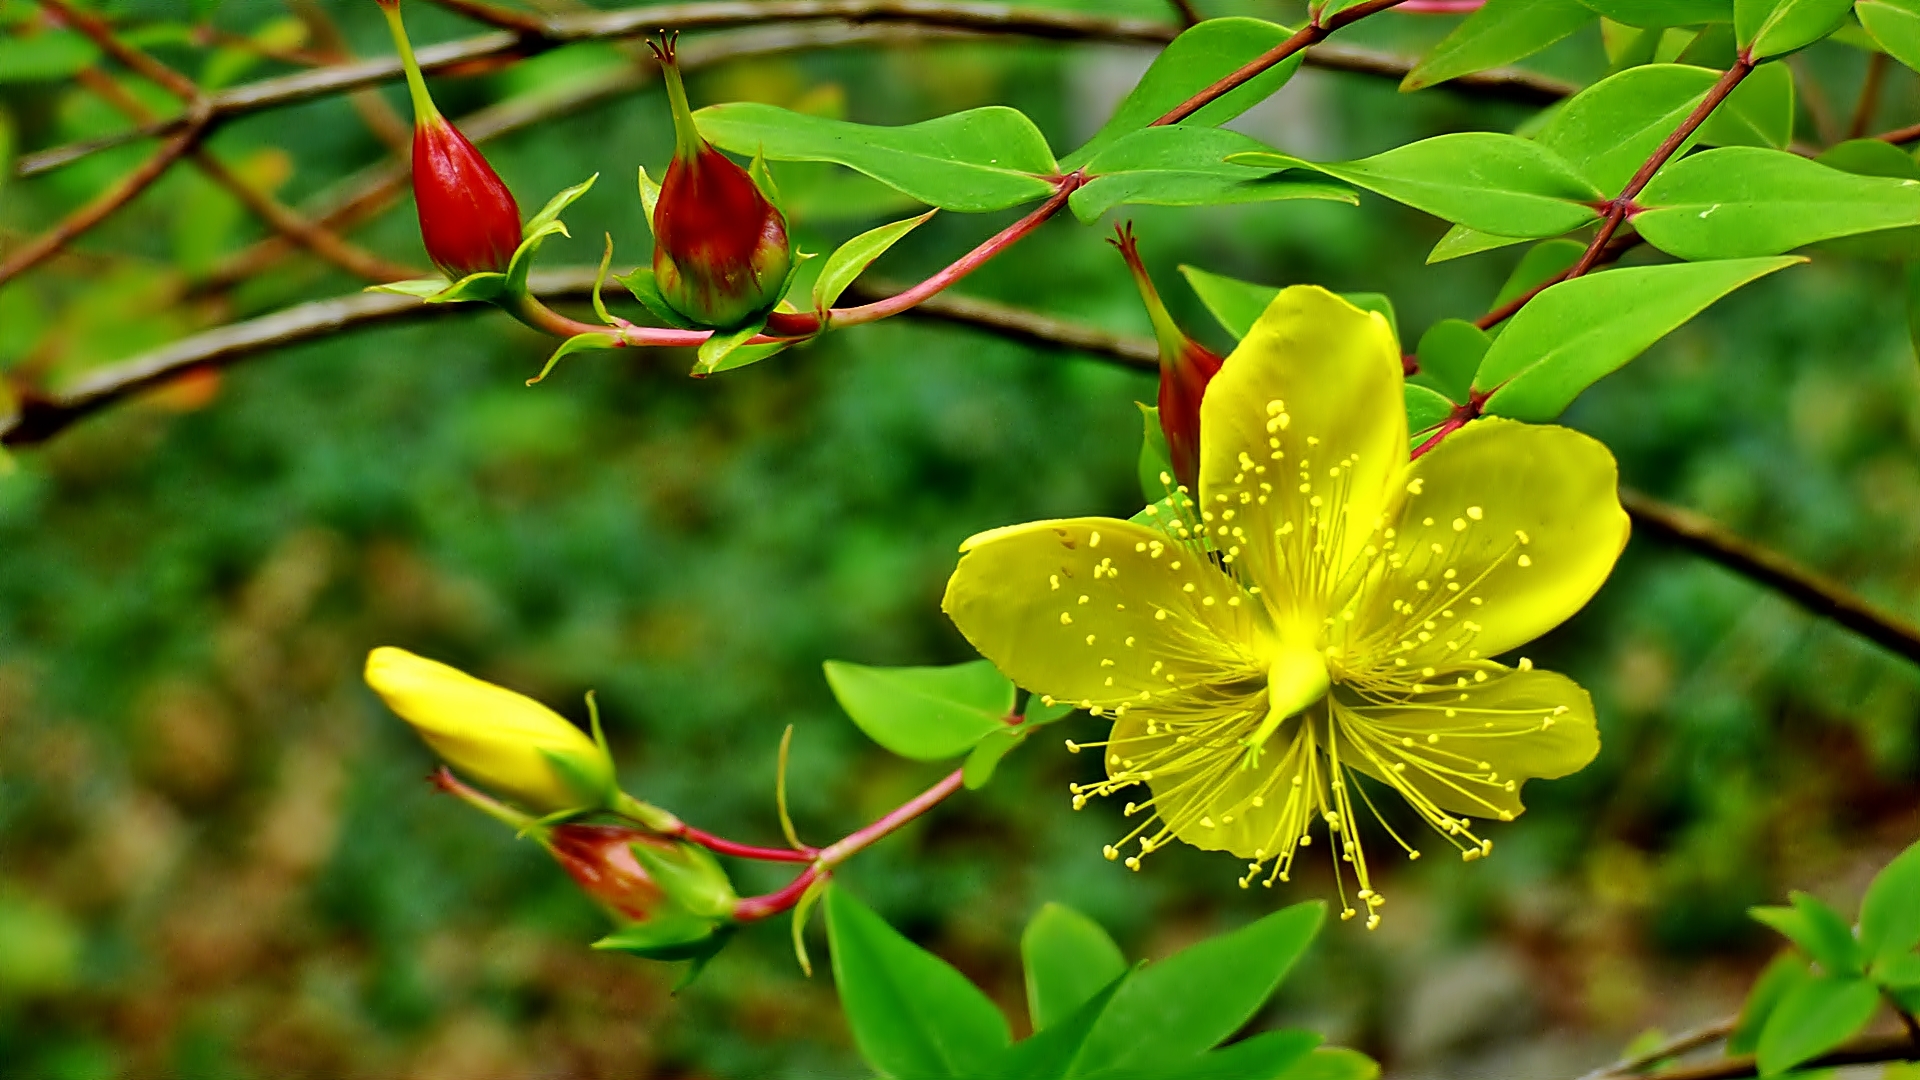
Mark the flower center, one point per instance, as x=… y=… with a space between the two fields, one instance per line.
x=1296 y=679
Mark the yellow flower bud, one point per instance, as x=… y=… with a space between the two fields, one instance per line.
x=505 y=741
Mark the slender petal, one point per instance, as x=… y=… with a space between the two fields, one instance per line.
x=1302 y=436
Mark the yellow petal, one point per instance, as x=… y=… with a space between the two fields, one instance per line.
x=1468 y=745
x=1307 y=410
x=1101 y=612
x=1505 y=531
x=507 y=742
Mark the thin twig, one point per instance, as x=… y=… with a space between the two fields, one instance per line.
x=1311 y=34
x=1184 y=10
x=97 y=30
x=1505 y=83
x=1869 y=95
x=1864 y=1050
x=93 y=213
x=494 y=15
x=1685 y=1042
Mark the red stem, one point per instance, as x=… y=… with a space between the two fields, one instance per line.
x=722 y=846
x=751 y=908
x=1310 y=34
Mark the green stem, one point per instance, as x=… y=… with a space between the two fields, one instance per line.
x=424 y=110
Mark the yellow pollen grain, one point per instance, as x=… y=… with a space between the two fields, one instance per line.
x=1475 y=513
x=1066 y=618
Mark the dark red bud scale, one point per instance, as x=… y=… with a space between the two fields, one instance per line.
x=468 y=219
x=1186 y=366
x=600 y=860
x=721 y=253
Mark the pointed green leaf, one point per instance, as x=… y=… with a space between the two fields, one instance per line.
x=1495 y=183
x=1187 y=1003
x=1047 y=1055
x=1449 y=353
x=1575 y=333
x=925 y=713
x=1895 y=26
x=671 y=936
x=1270 y=1055
x=852 y=258
x=1609 y=129
x=646 y=289
x=1427 y=409
x=574 y=344
x=1829 y=940
x=424 y=288
x=1890 y=912
x=1156 y=460
x=1499 y=33
x=1776 y=27
x=1202 y=55
x=1897 y=971
x=1178 y=165
x=1459 y=241
x=1542 y=263
x=1743 y=201
x=542 y=225
x=44 y=57
x=1662 y=13
x=742 y=355
x=1068 y=960
x=1781 y=975
x=1817 y=1015
x=1236 y=304
x=550 y=213
x=649 y=195
x=912 y=1014
x=1759 y=112
x=972 y=161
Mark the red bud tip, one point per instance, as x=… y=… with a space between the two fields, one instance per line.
x=721 y=252
x=600 y=860
x=1186 y=366
x=468 y=219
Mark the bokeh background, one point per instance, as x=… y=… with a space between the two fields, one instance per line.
x=218 y=857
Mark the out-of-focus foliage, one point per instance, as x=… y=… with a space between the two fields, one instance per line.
x=217 y=852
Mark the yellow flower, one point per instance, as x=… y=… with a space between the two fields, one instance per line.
x=507 y=742
x=1326 y=608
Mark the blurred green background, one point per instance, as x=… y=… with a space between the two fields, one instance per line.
x=218 y=857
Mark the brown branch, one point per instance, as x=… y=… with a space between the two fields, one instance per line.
x=38 y=249
x=494 y=15
x=1017 y=324
x=97 y=30
x=1813 y=591
x=375 y=111
x=1897 y=136
x=1869 y=95
x=980 y=18
x=1864 y=1050
x=1685 y=1042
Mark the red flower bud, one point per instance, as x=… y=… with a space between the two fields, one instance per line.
x=600 y=859
x=468 y=219
x=1186 y=366
x=721 y=253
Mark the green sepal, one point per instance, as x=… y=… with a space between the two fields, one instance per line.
x=1781 y=975
x=801 y=912
x=691 y=877
x=649 y=195
x=986 y=754
x=574 y=344
x=721 y=344
x=485 y=285
x=653 y=817
x=1156 y=460
x=762 y=178
x=852 y=258
x=645 y=289
x=592 y=782
x=673 y=936
x=747 y=354
x=538 y=228
x=600 y=279
x=1427 y=409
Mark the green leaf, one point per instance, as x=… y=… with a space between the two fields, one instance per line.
x=1449 y=353
x=1427 y=408
x=1815 y=1016
x=1499 y=33
x=1894 y=26
x=1661 y=13
x=1782 y=974
x=1890 y=912
x=1038 y=713
x=1542 y=263
x=1897 y=971
x=1460 y=241
x=742 y=355
x=1575 y=333
x=672 y=936
x=924 y=713
x=1609 y=129
x=1269 y=1055
x=1190 y=1001
x=1202 y=55
x=538 y=228
x=576 y=343
x=1829 y=939
x=852 y=258
x=1759 y=112
x=1047 y=1055
x=1235 y=304
x=911 y=1013
x=7 y=142
x=972 y=161
x=1333 y=1063
x=649 y=195
x=423 y=288
x=1870 y=157
x=1743 y=201
x=985 y=757
x=1069 y=959
x=45 y=57
x=722 y=344
x=1179 y=165
x=1776 y=27
x=690 y=876
x=1156 y=460
x=1913 y=307
x=1501 y=184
